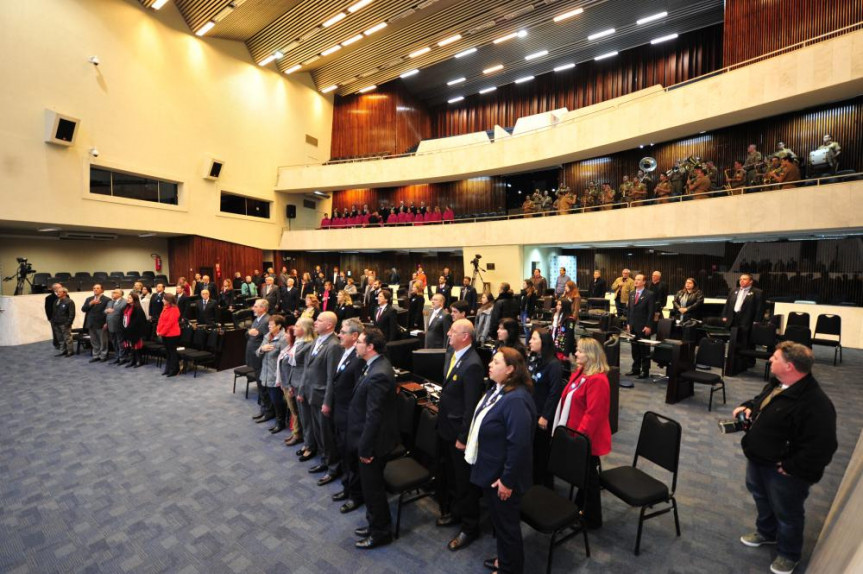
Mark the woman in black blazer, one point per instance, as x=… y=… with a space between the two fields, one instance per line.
x=547 y=375
x=134 y=329
x=508 y=336
x=415 y=307
x=500 y=449
x=345 y=308
x=688 y=301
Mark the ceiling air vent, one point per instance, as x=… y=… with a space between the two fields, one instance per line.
x=85 y=236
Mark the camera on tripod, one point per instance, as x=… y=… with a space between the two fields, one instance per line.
x=741 y=423
x=475 y=260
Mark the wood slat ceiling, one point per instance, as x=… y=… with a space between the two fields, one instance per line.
x=294 y=28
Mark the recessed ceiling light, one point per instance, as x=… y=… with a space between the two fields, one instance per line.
x=602 y=34
x=375 y=28
x=49 y=229
x=449 y=40
x=359 y=5
x=293 y=69
x=536 y=55
x=662 y=39
x=653 y=18
x=456 y=81
x=523 y=79
x=410 y=73
x=150 y=234
x=267 y=60
x=487 y=90
x=569 y=14
x=606 y=55
x=205 y=28
x=158 y=4
x=519 y=34
x=493 y=69
x=329 y=89
x=569 y=66
x=350 y=41
x=455 y=99
x=467 y=52
x=332 y=50
x=368 y=89
x=419 y=52
x=337 y=18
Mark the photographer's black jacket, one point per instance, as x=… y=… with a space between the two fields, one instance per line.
x=797 y=428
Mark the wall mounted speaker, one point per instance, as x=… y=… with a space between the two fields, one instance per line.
x=213 y=169
x=60 y=129
x=291 y=211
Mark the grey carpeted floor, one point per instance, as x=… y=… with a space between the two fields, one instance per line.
x=106 y=469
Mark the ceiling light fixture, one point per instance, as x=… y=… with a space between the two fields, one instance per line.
x=410 y=73
x=49 y=229
x=602 y=34
x=604 y=56
x=332 y=50
x=536 y=55
x=368 y=89
x=662 y=39
x=267 y=60
x=157 y=5
x=456 y=81
x=493 y=69
x=350 y=41
x=337 y=18
x=205 y=28
x=359 y=6
x=519 y=34
x=455 y=99
x=149 y=234
x=569 y=66
x=567 y=15
x=653 y=18
x=312 y=59
x=419 y=52
x=467 y=52
x=487 y=90
x=329 y=89
x=523 y=79
x=449 y=40
x=375 y=28
x=293 y=69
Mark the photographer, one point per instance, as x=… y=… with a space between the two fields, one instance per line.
x=790 y=439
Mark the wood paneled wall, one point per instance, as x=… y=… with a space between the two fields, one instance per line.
x=405 y=263
x=384 y=122
x=757 y=27
x=188 y=254
x=801 y=131
x=689 y=56
x=475 y=195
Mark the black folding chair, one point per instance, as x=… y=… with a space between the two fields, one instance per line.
x=830 y=325
x=763 y=337
x=710 y=353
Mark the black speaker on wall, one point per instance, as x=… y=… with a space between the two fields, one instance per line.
x=291 y=211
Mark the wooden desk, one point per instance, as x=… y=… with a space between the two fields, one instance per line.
x=681 y=360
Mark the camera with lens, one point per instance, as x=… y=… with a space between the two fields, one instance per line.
x=475 y=260
x=740 y=423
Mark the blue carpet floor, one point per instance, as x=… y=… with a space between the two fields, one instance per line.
x=106 y=469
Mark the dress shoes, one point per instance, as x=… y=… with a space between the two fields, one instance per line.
x=277 y=429
x=60 y=354
x=446 y=520
x=374 y=541
x=307 y=456
x=327 y=478
x=114 y=362
x=461 y=541
x=95 y=360
x=349 y=506
x=301 y=452
x=630 y=374
x=644 y=376
x=265 y=419
x=139 y=365
x=130 y=365
x=490 y=563
x=340 y=495
x=258 y=416
x=362 y=531
x=293 y=440
x=317 y=468
x=169 y=375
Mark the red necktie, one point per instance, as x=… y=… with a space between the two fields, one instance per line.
x=636 y=297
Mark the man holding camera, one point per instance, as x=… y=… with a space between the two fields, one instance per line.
x=790 y=440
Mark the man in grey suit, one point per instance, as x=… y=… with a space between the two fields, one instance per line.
x=94 y=321
x=254 y=338
x=439 y=323
x=114 y=324
x=320 y=370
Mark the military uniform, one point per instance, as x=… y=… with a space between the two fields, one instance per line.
x=676 y=180
x=833 y=150
x=638 y=191
x=752 y=160
x=662 y=191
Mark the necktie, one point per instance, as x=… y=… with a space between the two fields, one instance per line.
x=769 y=397
x=380 y=312
x=451 y=365
x=637 y=295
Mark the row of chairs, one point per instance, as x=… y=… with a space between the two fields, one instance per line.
x=85 y=281
x=200 y=346
x=828 y=332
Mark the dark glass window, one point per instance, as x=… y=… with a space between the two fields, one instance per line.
x=130 y=186
x=244 y=206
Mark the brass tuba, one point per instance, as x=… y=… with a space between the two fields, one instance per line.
x=647 y=164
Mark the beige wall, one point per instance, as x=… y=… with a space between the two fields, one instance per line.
x=508 y=261
x=54 y=256
x=828 y=71
x=160 y=103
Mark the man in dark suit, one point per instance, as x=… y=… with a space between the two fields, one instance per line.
x=447 y=276
x=444 y=289
x=94 y=320
x=157 y=303
x=597 y=286
x=206 y=312
x=337 y=401
x=385 y=317
x=114 y=323
x=744 y=306
x=462 y=388
x=370 y=299
x=640 y=316
x=372 y=434
x=468 y=294
x=336 y=279
x=289 y=300
x=660 y=294
x=205 y=283
x=438 y=325
x=320 y=367
x=61 y=321
x=270 y=292
x=506 y=307
x=50 y=299
x=254 y=338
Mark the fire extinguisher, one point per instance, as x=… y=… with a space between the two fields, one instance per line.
x=158 y=260
x=218 y=272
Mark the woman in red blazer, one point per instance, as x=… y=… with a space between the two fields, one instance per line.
x=584 y=406
x=168 y=328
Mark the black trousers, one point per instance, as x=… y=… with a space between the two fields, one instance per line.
x=277 y=399
x=456 y=493
x=264 y=397
x=331 y=450
x=375 y=495
x=172 y=360
x=640 y=356
x=350 y=465
x=506 y=518
x=592 y=504
x=541 y=450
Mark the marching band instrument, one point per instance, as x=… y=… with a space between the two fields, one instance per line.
x=819 y=157
x=647 y=164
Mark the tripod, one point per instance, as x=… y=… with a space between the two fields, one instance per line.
x=22 y=279
x=477 y=274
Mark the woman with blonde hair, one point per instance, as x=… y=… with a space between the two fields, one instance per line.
x=344 y=309
x=304 y=332
x=313 y=307
x=416 y=303
x=584 y=406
